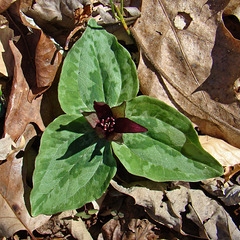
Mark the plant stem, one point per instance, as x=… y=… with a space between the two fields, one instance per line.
x=113 y=10
x=122 y=20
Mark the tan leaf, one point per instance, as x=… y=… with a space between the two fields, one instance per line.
x=194 y=60
x=14 y=215
x=225 y=153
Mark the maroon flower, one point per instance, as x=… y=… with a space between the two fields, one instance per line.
x=110 y=123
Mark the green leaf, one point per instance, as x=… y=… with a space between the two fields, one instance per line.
x=97 y=68
x=73 y=166
x=169 y=151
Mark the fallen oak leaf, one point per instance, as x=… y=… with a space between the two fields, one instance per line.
x=20 y=111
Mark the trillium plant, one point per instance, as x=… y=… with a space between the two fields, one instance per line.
x=105 y=122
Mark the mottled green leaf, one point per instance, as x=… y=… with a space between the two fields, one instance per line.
x=97 y=68
x=169 y=151
x=73 y=166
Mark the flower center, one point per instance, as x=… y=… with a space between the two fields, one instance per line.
x=107 y=124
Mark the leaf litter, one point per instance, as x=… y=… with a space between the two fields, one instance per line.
x=196 y=66
x=190 y=56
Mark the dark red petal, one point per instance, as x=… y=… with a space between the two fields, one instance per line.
x=125 y=125
x=102 y=109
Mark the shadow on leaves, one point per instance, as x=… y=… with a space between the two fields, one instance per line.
x=84 y=141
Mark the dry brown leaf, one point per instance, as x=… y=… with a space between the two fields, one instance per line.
x=20 y=111
x=181 y=208
x=216 y=221
x=36 y=64
x=14 y=215
x=194 y=60
x=47 y=61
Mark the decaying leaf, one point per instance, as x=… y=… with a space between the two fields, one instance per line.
x=14 y=215
x=62 y=224
x=181 y=208
x=194 y=60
